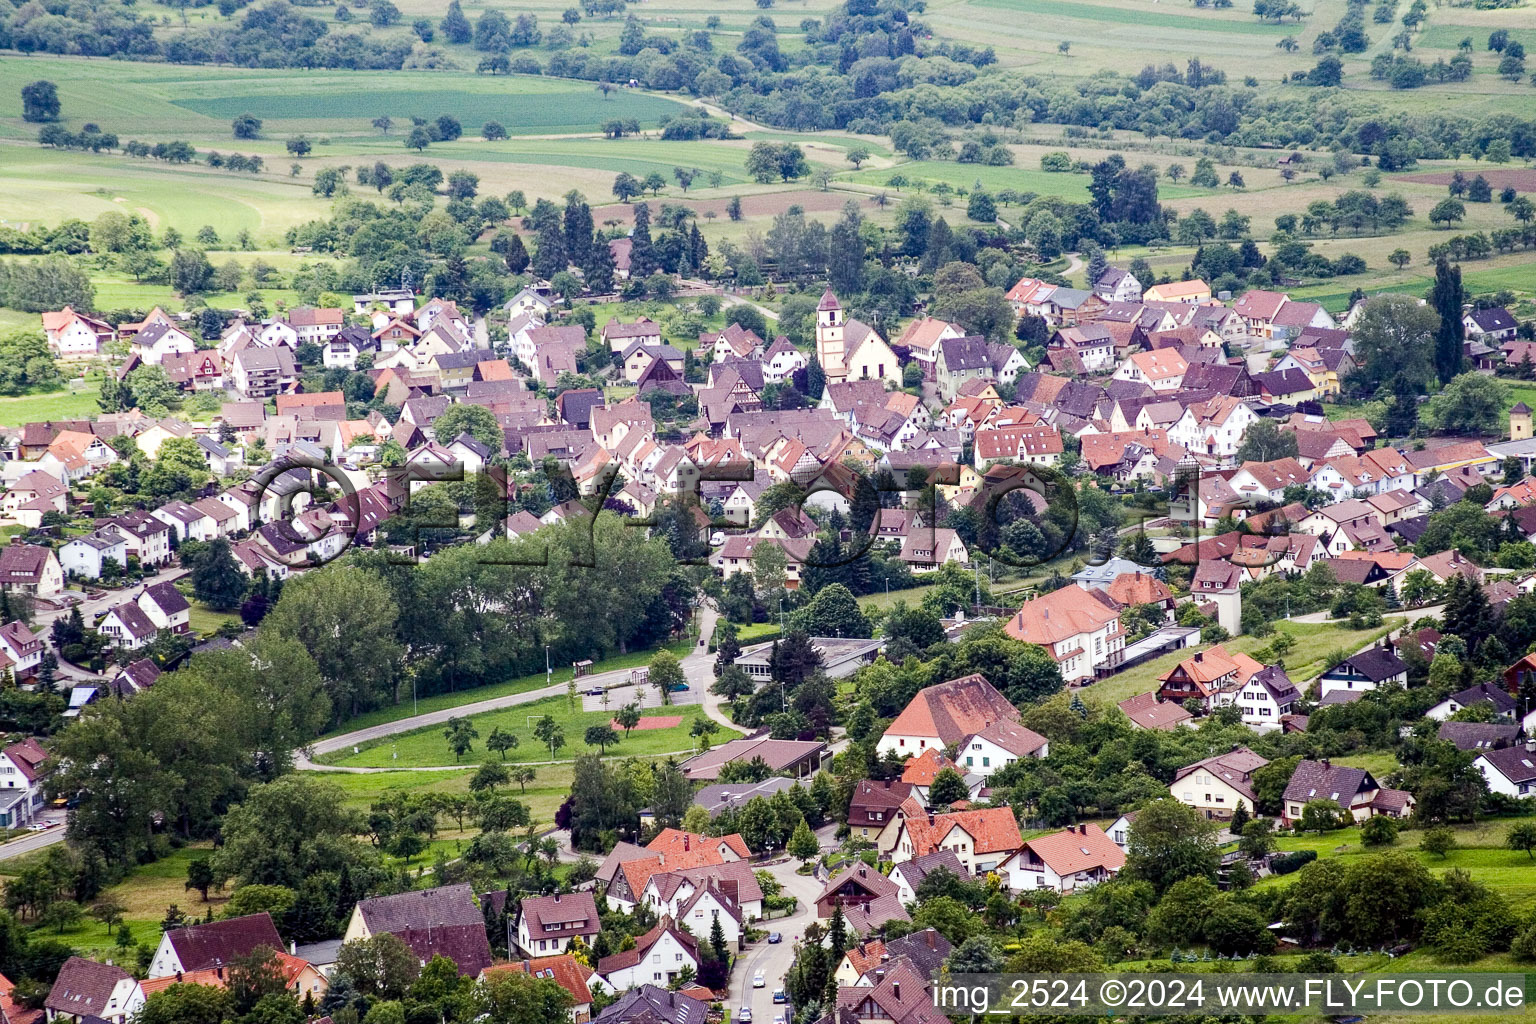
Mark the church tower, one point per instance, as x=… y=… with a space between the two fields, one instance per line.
x=829 y=336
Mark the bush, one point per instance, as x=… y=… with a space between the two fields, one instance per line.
x=1285 y=863
x=1379 y=830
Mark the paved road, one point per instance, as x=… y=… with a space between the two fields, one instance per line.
x=697 y=667
x=775 y=959
x=34 y=841
x=91 y=608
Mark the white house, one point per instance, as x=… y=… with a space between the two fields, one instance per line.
x=1078 y=858
x=159 y=340
x=88 y=989
x=1510 y=771
x=189 y=523
x=73 y=335
x=547 y=924
x=1265 y=697
x=1000 y=744
x=659 y=956
x=697 y=903
x=166 y=607
x=127 y=626
x=83 y=556
x=23 y=647
x=1217 y=786
x=21 y=782
x=1370 y=669
x=781 y=360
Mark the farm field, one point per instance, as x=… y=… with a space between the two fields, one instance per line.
x=428 y=748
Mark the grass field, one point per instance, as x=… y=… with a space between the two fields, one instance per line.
x=428 y=748
x=441 y=701
x=56 y=405
x=1480 y=850
x=1305 y=661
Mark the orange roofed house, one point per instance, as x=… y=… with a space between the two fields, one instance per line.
x=627 y=869
x=1080 y=857
x=981 y=839
x=1207 y=675
x=564 y=970
x=1077 y=628
x=943 y=715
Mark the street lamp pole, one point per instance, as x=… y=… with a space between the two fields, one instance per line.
x=548 y=672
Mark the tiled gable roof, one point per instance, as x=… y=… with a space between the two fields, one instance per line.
x=219 y=943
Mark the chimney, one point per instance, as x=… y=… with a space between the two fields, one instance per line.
x=686 y=841
x=293 y=948
x=930 y=817
x=929 y=938
x=896 y=989
x=863 y=872
x=1324 y=762
x=178 y=977
x=557 y=897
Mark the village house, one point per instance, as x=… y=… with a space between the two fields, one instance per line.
x=1368 y=670
x=1217 y=786
x=981 y=839
x=159 y=340
x=1510 y=771
x=1147 y=712
x=85 y=556
x=998 y=745
x=30 y=569
x=1083 y=634
x=1211 y=677
x=875 y=808
x=21 y=782
x=1492 y=326
x=87 y=990
x=942 y=716
x=1192 y=292
x=442 y=921
x=1354 y=790
x=658 y=958
x=1066 y=862
x=546 y=924
x=563 y=969
x=73 y=335
x=1266 y=698
x=201 y=947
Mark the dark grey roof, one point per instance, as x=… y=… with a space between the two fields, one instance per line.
x=1319 y=780
x=1517 y=764
x=1488 y=693
x=1479 y=735
x=1495 y=319
x=967 y=353
x=1375 y=664
x=649 y=1004
x=926 y=950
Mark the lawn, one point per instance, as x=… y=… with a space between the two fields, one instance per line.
x=550 y=787
x=1304 y=662
x=439 y=701
x=205 y=621
x=56 y=405
x=428 y=748
x=1480 y=850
